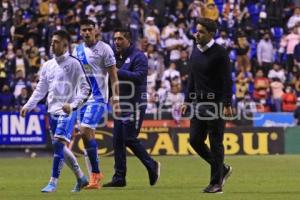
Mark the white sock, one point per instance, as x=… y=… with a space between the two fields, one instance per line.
x=53 y=180
x=87 y=162
x=72 y=163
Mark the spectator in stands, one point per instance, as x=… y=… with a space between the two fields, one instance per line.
x=242 y=86
x=210 y=10
x=288 y=44
x=6 y=21
x=224 y=40
x=7 y=99
x=34 y=60
x=151 y=31
x=274 y=10
x=3 y=71
x=265 y=53
x=48 y=7
x=289 y=100
x=22 y=98
x=246 y=105
x=194 y=9
x=152 y=100
x=136 y=22
x=174 y=100
x=297 y=85
x=277 y=72
x=19 y=62
x=174 y=45
x=183 y=68
x=231 y=12
x=277 y=93
x=242 y=48
x=170 y=74
x=19 y=82
x=294 y=19
x=261 y=87
x=156 y=65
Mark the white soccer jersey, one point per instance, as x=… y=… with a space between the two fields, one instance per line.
x=96 y=60
x=64 y=80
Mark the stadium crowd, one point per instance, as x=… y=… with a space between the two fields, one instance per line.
x=261 y=36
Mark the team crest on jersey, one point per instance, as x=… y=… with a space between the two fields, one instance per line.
x=67 y=68
x=127 y=60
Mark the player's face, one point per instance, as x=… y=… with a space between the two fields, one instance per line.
x=88 y=33
x=120 y=42
x=202 y=35
x=58 y=45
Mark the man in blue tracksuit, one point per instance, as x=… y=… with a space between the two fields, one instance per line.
x=132 y=67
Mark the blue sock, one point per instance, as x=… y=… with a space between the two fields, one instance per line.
x=58 y=158
x=91 y=149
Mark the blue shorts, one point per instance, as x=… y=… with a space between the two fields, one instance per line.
x=91 y=114
x=62 y=125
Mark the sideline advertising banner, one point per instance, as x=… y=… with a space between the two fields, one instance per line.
x=175 y=141
x=278 y=119
x=18 y=131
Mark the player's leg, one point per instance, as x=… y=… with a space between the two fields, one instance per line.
x=58 y=124
x=92 y=116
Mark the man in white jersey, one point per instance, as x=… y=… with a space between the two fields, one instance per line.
x=98 y=60
x=64 y=80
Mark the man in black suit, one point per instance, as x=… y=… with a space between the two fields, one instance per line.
x=209 y=94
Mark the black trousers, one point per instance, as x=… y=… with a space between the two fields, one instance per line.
x=199 y=130
x=125 y=134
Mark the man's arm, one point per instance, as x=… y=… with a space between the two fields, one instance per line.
x=82 y=84
x=139 y=72
x=227 y=84
x=112 y=71
x=38 y=94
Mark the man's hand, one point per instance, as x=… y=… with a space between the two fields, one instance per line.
x=183 y=109
x=115 y=106
x=67 y=108
x=23 y=112
x=227 y=111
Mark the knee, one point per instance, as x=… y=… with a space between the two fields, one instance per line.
x=194 y=142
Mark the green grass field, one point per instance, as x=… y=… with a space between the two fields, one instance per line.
x=253 y=178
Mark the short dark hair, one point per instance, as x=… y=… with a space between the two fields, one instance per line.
x=63 y=34
x=125 y=31
x=87 y=22
x=209 y=24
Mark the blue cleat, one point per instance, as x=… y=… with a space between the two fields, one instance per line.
x=81 y=183
x=51 y=187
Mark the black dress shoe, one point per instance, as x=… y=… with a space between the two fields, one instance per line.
x=226 y=174
x=213 y=188
x=115 y=184
x=154 y=173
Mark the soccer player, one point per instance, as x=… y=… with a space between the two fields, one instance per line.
x=61 y=77
x=132 y=68
x=98 y=60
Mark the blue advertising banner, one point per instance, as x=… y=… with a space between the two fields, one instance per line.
x=279 y=119
x=16 y=130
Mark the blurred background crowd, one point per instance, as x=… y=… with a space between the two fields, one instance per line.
x=261 y=36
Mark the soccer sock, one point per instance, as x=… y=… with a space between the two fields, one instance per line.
x=72 y=163
x=87 y=162
x=53 y=180
x=91 y=149
x=58 y=158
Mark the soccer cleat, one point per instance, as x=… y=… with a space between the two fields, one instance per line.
x=227 y=173
x=154 y=175
x=81 y=183
x=51 y=187
x=113 y=183
x=216 y=189
x=94 y=182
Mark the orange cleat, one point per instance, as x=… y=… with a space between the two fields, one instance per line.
x=94 y=182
